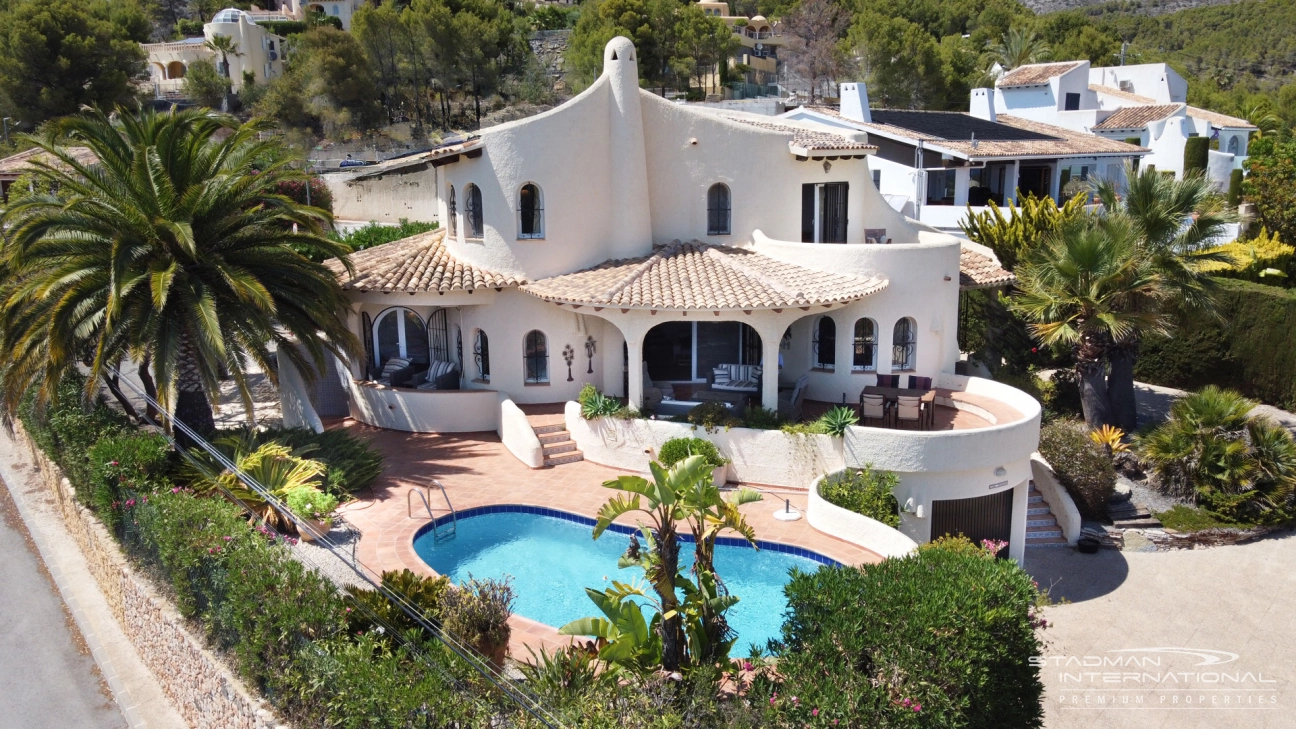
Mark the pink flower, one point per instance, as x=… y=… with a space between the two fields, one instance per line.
x=906 y=702
x=917 y=707
x=747 y=666
x=814 y=712
x=228 y=538
x=112 y=463
x=772 y=700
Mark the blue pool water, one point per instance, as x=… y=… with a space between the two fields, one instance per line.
x=552 y=559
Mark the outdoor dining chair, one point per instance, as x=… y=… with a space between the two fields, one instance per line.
x=873 y=407
x=909 y=410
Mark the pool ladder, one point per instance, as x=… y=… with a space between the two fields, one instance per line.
x=425 y=495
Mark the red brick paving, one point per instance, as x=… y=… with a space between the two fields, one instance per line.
x=477 y=470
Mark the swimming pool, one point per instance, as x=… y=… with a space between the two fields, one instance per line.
x=552 y=559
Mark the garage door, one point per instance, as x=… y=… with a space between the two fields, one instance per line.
x=983 y=517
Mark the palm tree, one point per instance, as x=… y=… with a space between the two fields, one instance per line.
x=226 y=47
x=681 y=494
x=1017 y=48
x=1261 y=114
x=173 y=251
x=1176 y=223
x=1078 y=289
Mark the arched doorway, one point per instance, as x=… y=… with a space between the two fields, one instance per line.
x=175 y=69
x=691 y=351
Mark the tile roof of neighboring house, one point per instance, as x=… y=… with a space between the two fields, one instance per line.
x=697 y=275
x=1116 y=93
x=807 y=138
x=1035 y=74
x=417 y=263
x=1009 y=137
x=21 y=163
x=1223 y=121
x=443 y=154
x=1137 y=117
x=979 y=271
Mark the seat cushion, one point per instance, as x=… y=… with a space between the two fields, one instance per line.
x=720 y=375
x=888 y=380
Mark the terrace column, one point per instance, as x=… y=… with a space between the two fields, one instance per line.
x=771 y=334
x=634 y=358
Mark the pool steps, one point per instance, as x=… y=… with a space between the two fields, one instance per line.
x=556 y=441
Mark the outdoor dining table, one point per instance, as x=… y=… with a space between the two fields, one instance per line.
x=927 y=397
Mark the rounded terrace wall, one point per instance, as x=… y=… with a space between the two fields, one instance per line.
x=868 y=533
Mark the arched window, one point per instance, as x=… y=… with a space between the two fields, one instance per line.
x=1233 y=144
x=530 y=212
x=903 y=341
x=399 y=332
x=718 y=209
x=535 y=356
x=865 y=358
x=438 y=336
x=452 y=212
x=825 y=343
x=481 y=355
x=473 y=211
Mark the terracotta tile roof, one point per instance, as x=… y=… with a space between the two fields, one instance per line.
x=1035 y=74
x=1137 y=117
x=979 y=271
x=417 y=263
x=21 y=163
x=697 y=275
x=807 y=138
x=1116 y=93
x=1222 y=121
x=1008 y=137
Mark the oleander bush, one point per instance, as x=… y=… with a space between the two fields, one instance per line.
x=677 y=449
x=940 y=638
x=1081 y=465
x=864 y=491
x=126 y=461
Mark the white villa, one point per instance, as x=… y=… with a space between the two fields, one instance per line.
x=672 y=255
x=1147 y=102
x=933 y=165
x=259 y=51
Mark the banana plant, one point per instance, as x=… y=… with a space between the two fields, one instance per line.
x=623 y=637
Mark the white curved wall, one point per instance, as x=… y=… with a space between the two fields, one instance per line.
x=1059 y=501
x=868 y=533
x=517 y=434
x=294 y=399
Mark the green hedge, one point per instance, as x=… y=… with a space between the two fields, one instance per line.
x=1250 y=348
x=1235 y=188
x=942 y=638
x=1196 y=155
x=284 y=28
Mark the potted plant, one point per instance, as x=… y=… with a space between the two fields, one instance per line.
x=314 y=506
x=477 y=612
x=677 y=449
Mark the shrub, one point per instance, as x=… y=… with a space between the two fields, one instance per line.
x=478 y=612
x=1196 y=155
x=311 y=503
x=1014 y=235
x=283 y=28
x=940 y=638
x=595 y=404
x=1235 y=188
x=759 y=418
x=68 y=427
x=319 y=196
x=351 y=464
x=1263 y=259
x=1252 y=349
x=865 y=491
x=424 y=594
x=1211 y=451
x=375 y=234
x=712 y=416
x=677 y=449
x=1081 y=465
x=128 y=462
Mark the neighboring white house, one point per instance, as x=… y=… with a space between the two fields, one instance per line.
x=1147 y=102
x=932 y=165
x=648 y=247
x=259 y=51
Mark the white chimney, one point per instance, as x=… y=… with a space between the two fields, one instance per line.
x=982 y=104
x=854 y=102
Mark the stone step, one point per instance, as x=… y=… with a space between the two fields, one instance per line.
x=1041 y=520
x=568 y=457
x=556 y=448
x=1036 y=499
x=1041 y=532
x=1049 y=542
x=557 y=436
x=551 y=428
x=1149 y=522
x=1038 y=509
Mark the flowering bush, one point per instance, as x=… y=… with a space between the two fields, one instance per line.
x=309 y=502
x=941 y=638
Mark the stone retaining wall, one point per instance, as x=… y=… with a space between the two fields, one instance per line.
x=203 y=691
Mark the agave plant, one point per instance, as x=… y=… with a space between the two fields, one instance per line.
x=837 y=420
x=1111 y=438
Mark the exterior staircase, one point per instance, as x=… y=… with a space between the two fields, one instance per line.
x=1042 y=529
x=551 y=429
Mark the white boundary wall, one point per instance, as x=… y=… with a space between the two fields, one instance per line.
x=1059 y=501
x=855 y=528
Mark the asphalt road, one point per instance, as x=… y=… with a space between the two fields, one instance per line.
x=47 y=678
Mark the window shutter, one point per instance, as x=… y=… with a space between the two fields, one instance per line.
x=807 y=213
x=366 y=334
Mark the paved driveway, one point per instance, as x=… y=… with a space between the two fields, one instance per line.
x=47 y=679
x=1232 y=607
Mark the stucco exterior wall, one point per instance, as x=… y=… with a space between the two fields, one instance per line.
x=407 y=193
x=518 y=435
x=425 y=411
